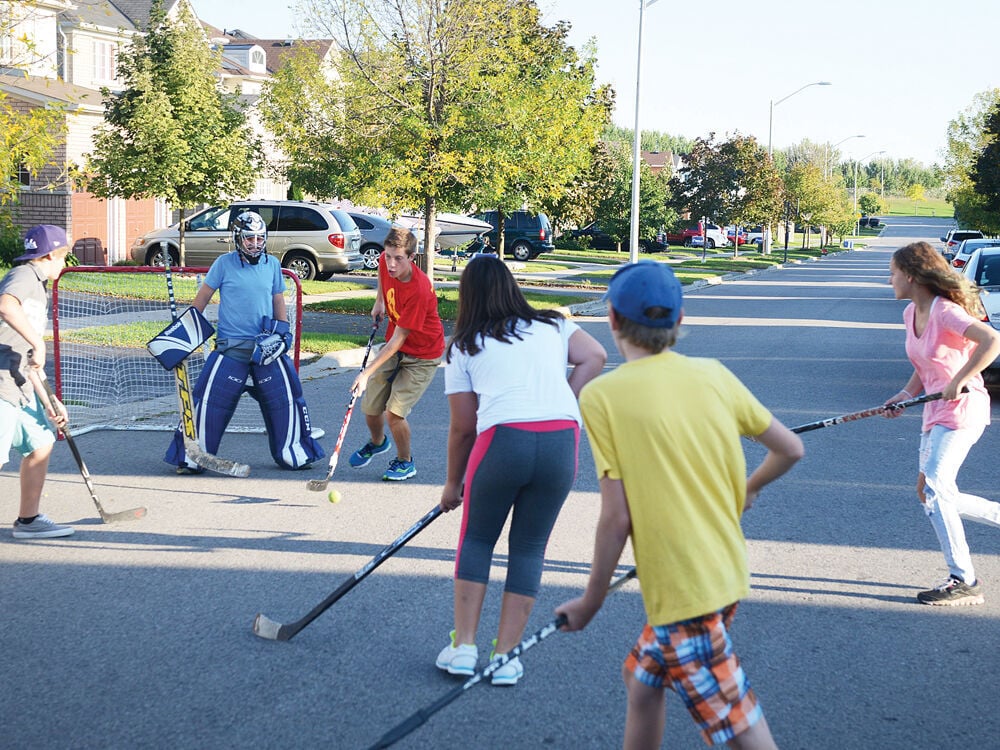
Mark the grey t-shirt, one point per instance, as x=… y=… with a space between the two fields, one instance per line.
x=27 y=283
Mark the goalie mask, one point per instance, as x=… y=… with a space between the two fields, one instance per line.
x=250 y=236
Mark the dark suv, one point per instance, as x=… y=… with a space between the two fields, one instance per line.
x=526 y=235
x=314 y=240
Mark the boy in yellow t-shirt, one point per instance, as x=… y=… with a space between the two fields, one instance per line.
x=665 y=431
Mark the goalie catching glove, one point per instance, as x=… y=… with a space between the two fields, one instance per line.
x=272 y=343
x=174 y=344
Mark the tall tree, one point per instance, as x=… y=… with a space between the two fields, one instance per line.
x=172 y=133
x=436 y=104
x=985 y=174
x=29 y=136
x=967 y=137
x=613 y=208
x=731 y=181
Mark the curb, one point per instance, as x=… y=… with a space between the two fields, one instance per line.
x=328 y=364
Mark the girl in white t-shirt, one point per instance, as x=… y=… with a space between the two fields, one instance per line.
x=512 y=447
x=949 y=346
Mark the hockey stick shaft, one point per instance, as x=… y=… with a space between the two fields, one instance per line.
x=125 y=515
x=185 y=400
x=318 y=485
x=267 y=628
x=874 y=411
x=417 y=720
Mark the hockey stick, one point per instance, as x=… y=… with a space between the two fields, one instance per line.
x=191 y=445
x=126 y=515
x=869 y=412
x=275 y=631
x=417 y=720
x=319 y=485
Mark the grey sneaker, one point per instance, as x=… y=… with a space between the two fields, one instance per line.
x=40 y=528
x=952 y=593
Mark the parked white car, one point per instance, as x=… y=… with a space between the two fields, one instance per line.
x=983 y=270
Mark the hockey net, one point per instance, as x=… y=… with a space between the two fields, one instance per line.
x=102 y=317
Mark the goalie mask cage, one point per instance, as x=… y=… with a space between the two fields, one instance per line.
x=102 y=317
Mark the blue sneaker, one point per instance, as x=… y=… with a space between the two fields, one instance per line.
x=364 y=455
x=399 y=470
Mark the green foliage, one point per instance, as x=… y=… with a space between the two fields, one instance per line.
x=729 y=182
x=436 y=105
x=870 y=204
x=172 y=133
x=27 y=140
x=612 y=195
x=11 y=240
x=649 y=140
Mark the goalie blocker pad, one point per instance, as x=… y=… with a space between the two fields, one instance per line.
x=174 y=344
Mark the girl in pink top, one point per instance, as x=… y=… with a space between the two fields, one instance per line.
x=948 y=346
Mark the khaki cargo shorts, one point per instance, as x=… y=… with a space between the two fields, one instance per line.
x=398 y=384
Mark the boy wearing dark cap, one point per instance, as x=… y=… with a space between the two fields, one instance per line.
x=665 y=431
x=23 y=422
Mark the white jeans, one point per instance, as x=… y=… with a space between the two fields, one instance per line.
x=942 y=451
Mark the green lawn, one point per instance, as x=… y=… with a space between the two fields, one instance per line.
x=901 y=206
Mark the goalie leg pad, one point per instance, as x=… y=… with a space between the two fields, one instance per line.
x=220 y=385
x=278 y=391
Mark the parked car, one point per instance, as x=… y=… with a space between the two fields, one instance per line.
x=600 y=240
x=526 y=235
x=966 y=248
x=714 y=235
x=736 y=235
x=373 y=231
x=955 y=236
x=983 y=270
x=314 y=240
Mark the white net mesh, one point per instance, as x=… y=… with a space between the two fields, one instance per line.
x=102 y=318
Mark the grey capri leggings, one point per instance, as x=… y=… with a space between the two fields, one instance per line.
x=525 y=466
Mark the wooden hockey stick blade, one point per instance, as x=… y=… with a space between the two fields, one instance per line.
x=132 y=514
x=213 y=462
x=267 y=628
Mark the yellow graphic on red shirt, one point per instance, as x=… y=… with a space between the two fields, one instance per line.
x=390 y=303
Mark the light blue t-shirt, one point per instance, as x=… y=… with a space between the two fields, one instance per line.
x=246 y=293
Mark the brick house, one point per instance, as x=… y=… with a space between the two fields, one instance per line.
x=73 y=56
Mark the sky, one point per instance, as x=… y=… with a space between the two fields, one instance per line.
x=899 y=70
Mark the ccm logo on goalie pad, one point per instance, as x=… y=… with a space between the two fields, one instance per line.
x=173 y=344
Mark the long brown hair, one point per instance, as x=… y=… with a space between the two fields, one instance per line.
x=490 y=304
x=927 y=267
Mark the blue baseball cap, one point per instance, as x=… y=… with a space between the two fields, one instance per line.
x=41 y=240
x=637 y=288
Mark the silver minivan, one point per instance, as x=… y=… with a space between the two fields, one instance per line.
x=314 y=240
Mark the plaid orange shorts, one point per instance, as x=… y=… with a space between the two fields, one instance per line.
x=695 y=659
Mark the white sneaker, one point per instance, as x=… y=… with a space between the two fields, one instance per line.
x=462 y=659
x=509 y=673
x=41 y=528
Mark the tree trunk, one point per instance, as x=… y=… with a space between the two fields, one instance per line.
x=180 y=239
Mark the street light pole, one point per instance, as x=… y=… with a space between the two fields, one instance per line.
x=826 y=162
x=766 y=240
x=633 y=244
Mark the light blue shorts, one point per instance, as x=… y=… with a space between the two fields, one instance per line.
x=24 y=428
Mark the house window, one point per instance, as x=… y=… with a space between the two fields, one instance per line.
x=23 y=175
x=257 y=57
x=105 y=67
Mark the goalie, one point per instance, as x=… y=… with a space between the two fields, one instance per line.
x=250 y=353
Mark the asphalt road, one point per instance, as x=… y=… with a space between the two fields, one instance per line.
x=139 y=635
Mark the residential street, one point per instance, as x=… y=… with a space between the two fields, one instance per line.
x=138 y=635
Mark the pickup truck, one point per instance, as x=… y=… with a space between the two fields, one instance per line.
x=714 y=236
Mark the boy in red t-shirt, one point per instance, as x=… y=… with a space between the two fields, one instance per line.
x=404 y=367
